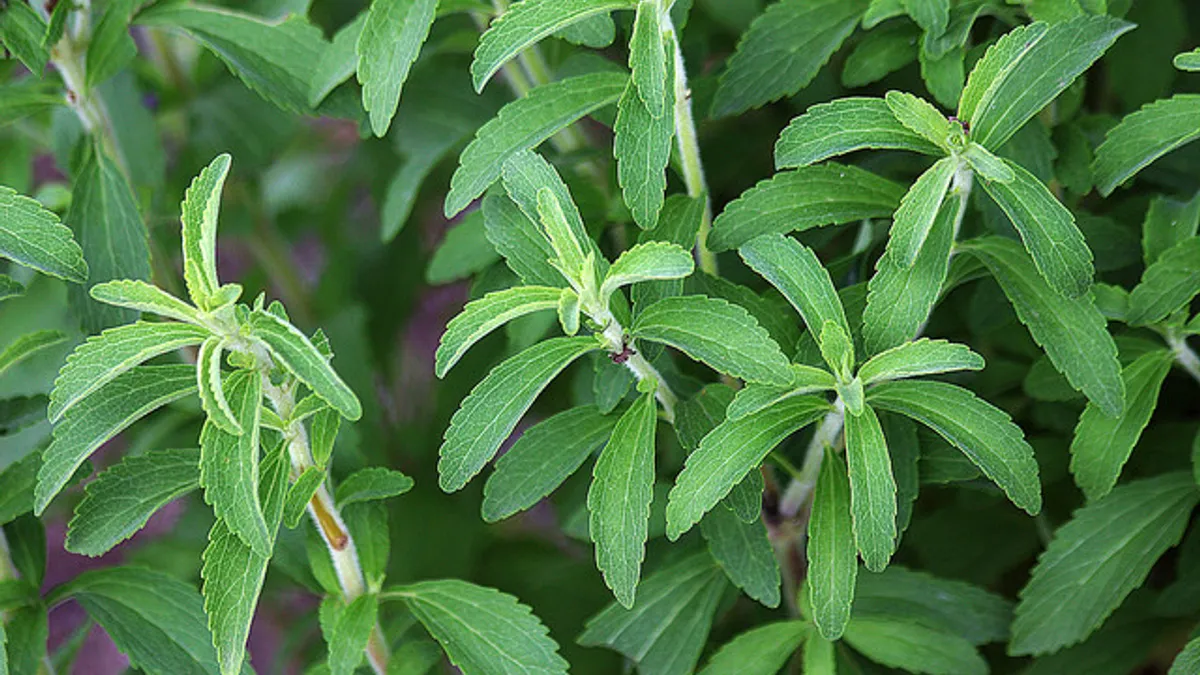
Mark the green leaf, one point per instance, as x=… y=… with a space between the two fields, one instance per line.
x=744 y=551
x=985 y=434
x=921 y=357
x=463 y=253
x=370 y=484
x=482 y=316
x=795 y=270
x=931 y=15
x=802 y=199
x=388 y=46
x=200 y=209
x=729 y=452
x=1187 y=662
x=831 y=558
x=351 y=633
x=845 y=125
x=945 y=605
x=491 y=411
x=481 y=629
x=123 y=497
x=324 y=430
x=212 y=392
x=597 y=31
x=1168 y=284
x=754 y=397
x=1144 y=136
x=1094 y=560
x=722 y=335
x=1072 y=331
x=1048 y=229
x=1027 y=69
x=783 y=50
x=542 y=458
x=645 y=262
x=295 y=352
x=648 y=60
x=21 y=30
x=987 y=165
x=1168 y=222
x=918 y=211
x=111 y=47
x=837 y=349
x=760 y=651
x=642 y=146
x=338 y=62
x=667 y=629
x=113 y=407
x=880 y=53
x=522 y=125
x=526 y=174
x=901 y=643
x=233 y=578
x=153 y=618
x=526 y=23
x=920 y=116
x=1102 y=444
x=32 y=236
x=28 y=631
x=872 y=489
x=144 y=297
x=567 y=244
x=619 y=499
x=300 y=494
x=27 y=97
x=27 y=345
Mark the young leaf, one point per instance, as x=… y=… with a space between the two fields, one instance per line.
x=212 y=392
x=1188 y=61
x=1102 y=444
x=619 y=499
x=722 y=335
x=233 y=578
x=32 y=236
x=351 y=633
x=644 y=262
x=1048 y=230
x=490 y=412
x=901 y=643
x=526 y=23
x=370 y=484
x=729 y=452
x=800 y=200
x=987 y=165
x=482 y=316
x=123 y=497
x=501 y=635
x=542 y=458
x=845 y=125
x=568 y=311
x=1144 y=136
x=27 y=345
x=795 y=270
x=113 y=407
x=648 y=61
x=782 y=51
x=921 y=357
x=983 y=433
x=754 y=397
x=642 y=146
x=388 y=46
x=568 y=248
x=918 y=210
x=1168 y=284
x=678 y=224
x=920 y=116
x=524 y=124
x=1027 y=69
x=144 y=297
x=295 y=352
x=1105 y=551
x=744 y=551
x=200 y=209
x=872 y=489
x=837 y=349
x=832 y=564
x=300 y=494
x=1072 y=331
x=760 y=651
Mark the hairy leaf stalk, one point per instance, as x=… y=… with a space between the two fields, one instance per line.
x=800 y=489
x=1184 y=355
x=615 y=344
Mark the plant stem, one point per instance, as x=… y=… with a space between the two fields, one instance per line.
x=800 y=489
x=1184 y=355
x=613 y=337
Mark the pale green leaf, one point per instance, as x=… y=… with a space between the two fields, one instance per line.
x=931 y=15
x=597 y=31
x=645 y=262
x=212 y=391
x=678 y=224
x=491 y=411
x=754 y=397
x=233 y=578
x=802 y=199
x=720 y=334
x=200 y=210
x=526 y=174
x=21 y=31
x=568 y=245
x=229 y=470
x=388 y=46
x=351 y=633
x=568 y=311
x=1097 y=558
x=837 y=349
x=794 y=269
x=1102 y=444
x=987 y=165
x=1168 y=284
x=32 y=236
x=619 y=499
x=642 y=147
x=918 y=211
x=760 y=651
x=482 y=316
x=648 y=60
x=123 y=497
x=744 y=551
x=113 y=407
x=300 y=494
x=921 y=357
x=1144 y=136
x=144 y=297
x=27 y=345
x=370 y=484
x=1188 y=61
x=323 y=433
x=832 y=564
x=919 y=116
x=845 y=125
x=916 y=648
x=111 y=47
x=338 y=62
x=872 y=489
x=729 y=452
x=296 y=352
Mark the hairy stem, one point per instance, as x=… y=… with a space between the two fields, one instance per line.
x=615 y=344
x=800 y=489
x=1184 y=355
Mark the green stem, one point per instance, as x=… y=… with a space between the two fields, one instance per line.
x=800 y=490
x=1184 y=355
x=613 y=337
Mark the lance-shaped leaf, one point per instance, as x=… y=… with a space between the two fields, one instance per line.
x=760 y=651
x=872 y=489
x=645 y=262
x=144 y=297
x=744 y=551
x=523 y=124
x=104 y=357
x=526 y=174
x=481 y=629
x=921 y=357
x=338 y=62
x=27 y=345
x=1094 y=560
x=1144 y=136
x=985 y=434
x=1026 y=69
x=491 y=411
x=722 y=335
x=648 y=60
x=919 y=116
x=296 y=353
x=524 y=24
x=32 y=236
x=120 y=402
x=200 y=209
x=800 y=200
x=21 y=31
x=1072 y=331
x=482 y=316
x=388 y=46
x=795 y=270
x=300 y=494
x=371 y=484
x=845 y=125
x=931 y=15
x=1168 y=222
x=233 y=578
x=754 y=397
x=782 y=50
x=123 y=497
x=1168 y=284
x=642 y=146
x=832 y=565
x=229 y=468
x=212 y=392
x=987 y=165
x=1102 y=444
x=899 y=642
x=952 y=607
x=1048 y=230
x=350 y=633
x=837 y=349
x=729 y=452
x=568 y=249
x=619 y=499
x=918 y=210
